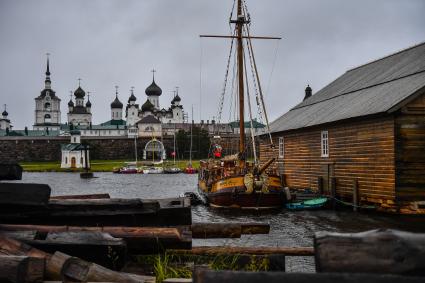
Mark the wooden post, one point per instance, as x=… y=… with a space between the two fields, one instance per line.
x=375 y=251
x=355 y=195
x=320 y=185
x=333 y=191
x=21 y=269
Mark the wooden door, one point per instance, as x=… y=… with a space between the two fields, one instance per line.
x=73 y=162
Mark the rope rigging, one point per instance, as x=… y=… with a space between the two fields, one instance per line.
x=250 y=113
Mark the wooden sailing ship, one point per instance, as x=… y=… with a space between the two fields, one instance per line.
x=232 y=181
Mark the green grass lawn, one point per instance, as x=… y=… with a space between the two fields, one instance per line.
x=96 y=165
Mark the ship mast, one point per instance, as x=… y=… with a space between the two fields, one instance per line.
x=240 y=21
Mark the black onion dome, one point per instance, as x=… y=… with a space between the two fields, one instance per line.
x=88 y=104
x=116 y=103
x=79 y=93
x=147 y=106
x=4 y=113
x=153 y=89
x=132 y=98
x=71 y=103
x=177 y=98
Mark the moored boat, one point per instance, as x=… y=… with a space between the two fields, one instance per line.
x=316 y=203
x=153 y=170
x=232 y=181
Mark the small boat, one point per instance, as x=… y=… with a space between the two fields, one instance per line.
x=130 y=168
x=190 y=170
x=172 y=170
x=153 y=170
x=315 y=203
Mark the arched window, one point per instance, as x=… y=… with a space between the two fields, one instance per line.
x=47 y=118
x=149 y=129
x=47 y=105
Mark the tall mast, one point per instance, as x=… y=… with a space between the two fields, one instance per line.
x=239 y=25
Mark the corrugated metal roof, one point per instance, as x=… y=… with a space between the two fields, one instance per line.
x=369 y=89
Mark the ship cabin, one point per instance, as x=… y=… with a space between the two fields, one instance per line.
x=361 y=138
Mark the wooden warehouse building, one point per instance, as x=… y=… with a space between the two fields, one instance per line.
x=363 y=132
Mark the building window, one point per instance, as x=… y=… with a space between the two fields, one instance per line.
x=325 y=144
x=47 y=105
x=47 y=118
x=281 y=147
x=66 y=160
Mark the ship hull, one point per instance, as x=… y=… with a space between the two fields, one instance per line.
x=232 y=193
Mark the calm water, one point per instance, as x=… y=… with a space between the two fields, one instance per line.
x=287 y=228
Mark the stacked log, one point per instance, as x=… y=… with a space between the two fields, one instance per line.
x=63 y=267
x=21 y=269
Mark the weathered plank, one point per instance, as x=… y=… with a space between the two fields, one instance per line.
x=87 y=196
x=227 y=230
x=103 y=212
x=201 y=275
x=229 y=250
x=12 y=194
x=140 y=240
x=10 y=171
x=21 y=269
x=375 y=251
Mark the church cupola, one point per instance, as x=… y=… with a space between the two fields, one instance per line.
x=88 y=103
x=147 y=108
x=132 y=99
x=153 y=92
x=4 y=122
x=4 y=114
x=116 y=107
x=79 y=94
x=70 y=103
x=308 y=92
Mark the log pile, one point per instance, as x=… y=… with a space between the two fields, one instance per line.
x=57 y=266
x=83 y=238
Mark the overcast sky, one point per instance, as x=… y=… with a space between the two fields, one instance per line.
x=118 y=42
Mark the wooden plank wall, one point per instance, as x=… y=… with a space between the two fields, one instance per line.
x=410 y=151
x=358 y=149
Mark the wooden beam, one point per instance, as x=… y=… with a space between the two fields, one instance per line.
x=228 y=250
x=375 y=251
x=202 y=275
x=13 y=194
x=88 y=196
x=140 y=240
x=231 y=36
